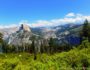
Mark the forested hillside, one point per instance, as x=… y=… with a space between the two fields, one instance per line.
x=77 y=58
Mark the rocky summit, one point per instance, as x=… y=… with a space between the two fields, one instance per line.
x=22 y=35
x=25 y=27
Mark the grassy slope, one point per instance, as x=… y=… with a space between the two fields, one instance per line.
x=75 y=58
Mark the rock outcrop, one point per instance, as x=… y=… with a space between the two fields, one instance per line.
x=25 y=27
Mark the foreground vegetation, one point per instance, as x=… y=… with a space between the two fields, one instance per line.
x=75 y=59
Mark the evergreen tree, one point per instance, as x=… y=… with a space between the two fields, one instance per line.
x=89 y=32
x=1 y=38
x=5 y=47
x=42 y=48
x=34 y=50
x=1 y=41
x=85 y=29
x=33 y=47
x=3 y=44
x=51 y=45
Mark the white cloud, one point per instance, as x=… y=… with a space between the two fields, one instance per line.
x=69 y=18
x=23 y=22
x=41 y=23
x=70 y=15
x=8 y=26
x=72 y=18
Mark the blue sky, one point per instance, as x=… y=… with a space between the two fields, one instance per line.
x=14 y=11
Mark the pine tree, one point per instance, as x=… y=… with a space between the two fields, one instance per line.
x=85 y=29
x=1 y=38
x=51 y=45
x=33 y=49
x=89 y=32
x=32 y=46
x=3 y=44
x=1 y=41
x=85 y=34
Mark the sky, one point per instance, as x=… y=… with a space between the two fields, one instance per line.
x=38 y=13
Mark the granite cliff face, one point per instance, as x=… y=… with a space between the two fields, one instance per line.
x=21 y=36
x=24 y=27
x=7 y=31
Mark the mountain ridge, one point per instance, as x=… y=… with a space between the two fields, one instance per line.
x=61 y=33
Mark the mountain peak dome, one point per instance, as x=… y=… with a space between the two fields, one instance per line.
x=25 y=27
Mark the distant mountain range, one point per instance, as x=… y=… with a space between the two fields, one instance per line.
x=23 y=34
